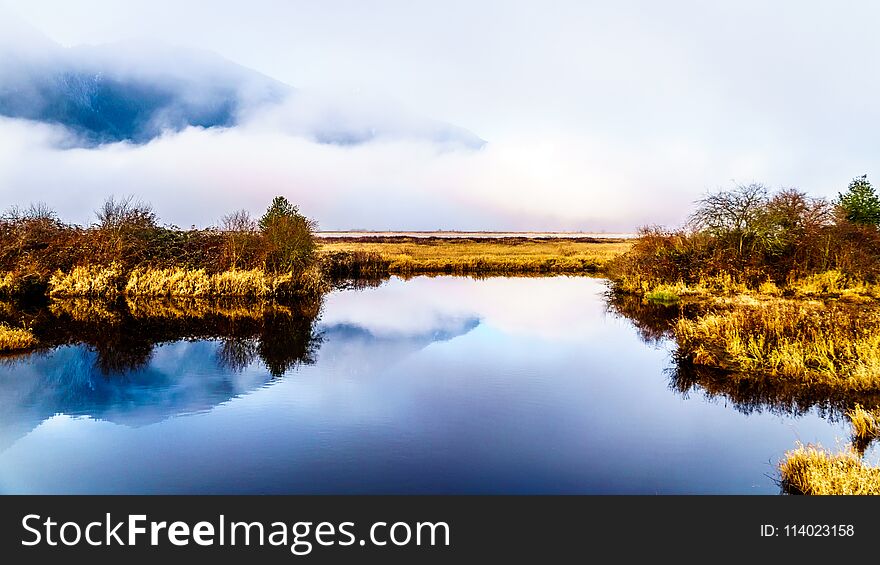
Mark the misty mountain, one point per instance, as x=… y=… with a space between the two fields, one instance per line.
x=135 y=92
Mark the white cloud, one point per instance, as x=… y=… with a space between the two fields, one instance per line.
x=197 y=175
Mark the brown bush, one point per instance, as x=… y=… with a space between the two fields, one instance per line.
x=747 y=236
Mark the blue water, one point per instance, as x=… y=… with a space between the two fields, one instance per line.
x=431 y=385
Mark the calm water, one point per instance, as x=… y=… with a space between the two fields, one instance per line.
x=432 y=385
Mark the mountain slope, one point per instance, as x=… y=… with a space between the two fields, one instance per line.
x=100 y=98
x=135 y=91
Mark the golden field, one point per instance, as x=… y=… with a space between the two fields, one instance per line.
x=412 y=255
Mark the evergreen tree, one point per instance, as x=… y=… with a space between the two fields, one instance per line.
x=860 y=204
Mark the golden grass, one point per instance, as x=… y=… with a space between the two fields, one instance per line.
x=832 y=284
x=88 y=281
x=195 y=283
x=466 y=256
x=812 y=470
x=705 y=288
x=14 y=339
x=811 y=342
x=828 y=284
x=865 y=423
x=106 y=282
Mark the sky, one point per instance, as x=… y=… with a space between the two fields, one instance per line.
x=598 y=116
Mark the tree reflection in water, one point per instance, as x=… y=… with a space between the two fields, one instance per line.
x=124 y=333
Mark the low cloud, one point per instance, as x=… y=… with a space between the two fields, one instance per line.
x=351 y=160
x=196 y=175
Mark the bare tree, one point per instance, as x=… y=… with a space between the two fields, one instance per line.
x=125 y=230
x=126 y=212
x=238 y=221
x=794 y=213
x=240 y=232
x=735 y=214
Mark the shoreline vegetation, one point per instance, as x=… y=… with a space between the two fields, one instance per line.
x=813 y=470
x=125 y=254
x=776 y=291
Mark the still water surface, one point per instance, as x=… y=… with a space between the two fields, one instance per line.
x=431 y=385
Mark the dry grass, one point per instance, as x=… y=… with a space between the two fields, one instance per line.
x=865 y=423
x=195 y=283
x=810 y=342
x=408 y=255
x=833 y=284
x=15 y=339
x=107 y=282
x=702 y=290
x=88 y=281
x=812 y=470
x=824 y=285
x=178 y=282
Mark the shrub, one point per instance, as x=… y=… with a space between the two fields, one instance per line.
x=288 y=235
x=752 y=237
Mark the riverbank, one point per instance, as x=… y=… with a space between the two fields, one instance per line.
x=368 y=257
x=776 y=293
x=802 y=344
x=803 y=333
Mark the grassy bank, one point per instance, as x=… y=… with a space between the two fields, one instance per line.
x=363 y=257
x=825 y=285
x=112 y=281
x=467 y=256
x=813 y=343
x=126 y=251
x=815 y=471
x=15 y=339
x=781 y=287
